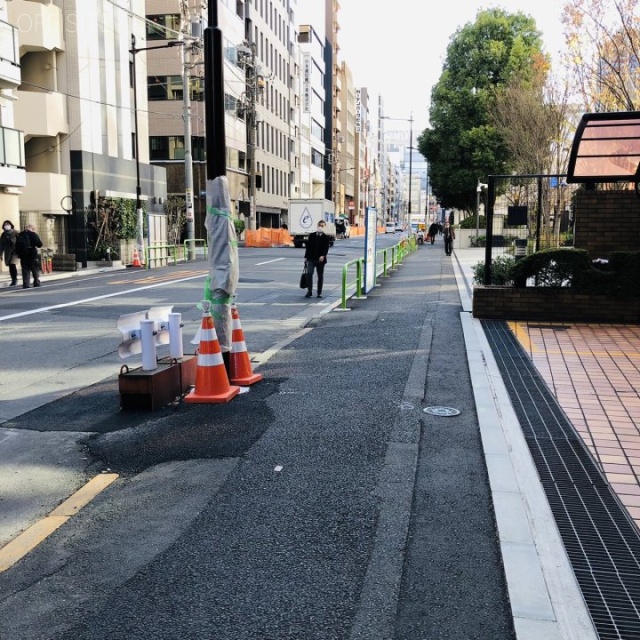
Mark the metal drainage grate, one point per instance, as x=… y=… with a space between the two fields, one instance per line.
x=444 y=412
x=602 y=543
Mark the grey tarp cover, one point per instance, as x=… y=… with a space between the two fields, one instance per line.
x=224 y=270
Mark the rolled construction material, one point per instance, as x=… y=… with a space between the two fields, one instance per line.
x=148 y=341
x=175 y=335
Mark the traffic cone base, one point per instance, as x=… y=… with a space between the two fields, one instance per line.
x=240 y=364
x=212 y=382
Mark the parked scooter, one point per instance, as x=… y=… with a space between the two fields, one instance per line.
x=420 y=237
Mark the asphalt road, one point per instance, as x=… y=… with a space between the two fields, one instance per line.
x=324 y=503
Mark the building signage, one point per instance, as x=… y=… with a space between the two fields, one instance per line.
x=358 y=111
x=306 y=83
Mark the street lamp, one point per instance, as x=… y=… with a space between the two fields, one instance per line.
x=133 y=51
x=410 y=121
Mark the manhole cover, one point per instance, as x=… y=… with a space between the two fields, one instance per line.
x=445 y=412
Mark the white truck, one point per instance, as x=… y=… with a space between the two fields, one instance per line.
x=304 y=215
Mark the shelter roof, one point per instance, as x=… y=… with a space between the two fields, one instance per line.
x=606 y=148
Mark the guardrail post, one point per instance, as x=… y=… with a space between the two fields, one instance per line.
x=344 y=286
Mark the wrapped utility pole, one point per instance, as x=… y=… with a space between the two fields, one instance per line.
x=222 y=282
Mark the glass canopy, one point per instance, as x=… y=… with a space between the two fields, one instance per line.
x=606 y=148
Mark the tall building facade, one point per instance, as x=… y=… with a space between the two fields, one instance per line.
x=12 y=166
x=309 y=159
x=346 y=142
x=75 y=104
x=175 y=86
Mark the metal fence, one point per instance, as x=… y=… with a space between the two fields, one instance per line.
x=524 y=214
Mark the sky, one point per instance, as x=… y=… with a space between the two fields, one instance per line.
x=397 y=48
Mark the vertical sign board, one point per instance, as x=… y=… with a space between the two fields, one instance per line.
x=371 y=230
x=306 y=83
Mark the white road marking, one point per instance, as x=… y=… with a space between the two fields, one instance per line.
x=106 y=295
x=259 y=264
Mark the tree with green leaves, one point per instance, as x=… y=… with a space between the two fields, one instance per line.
x=463 y=144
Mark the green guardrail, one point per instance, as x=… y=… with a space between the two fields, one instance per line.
x=158 y=255
x=194 y=246
x=387 y=260
x=161 y=254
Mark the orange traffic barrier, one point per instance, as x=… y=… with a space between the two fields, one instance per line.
x=212 y=383
x=136 y=258
x=266 y=237
x=240 y=364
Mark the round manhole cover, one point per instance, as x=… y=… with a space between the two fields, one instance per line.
x=445 y=412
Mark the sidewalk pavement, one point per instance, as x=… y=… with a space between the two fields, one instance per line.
x=5 y=280
x=429 y=494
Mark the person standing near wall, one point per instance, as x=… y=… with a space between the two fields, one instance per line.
x=8 y=249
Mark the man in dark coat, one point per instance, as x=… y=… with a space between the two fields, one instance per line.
x=315 y=257
x=29 y=261
x=433 y=230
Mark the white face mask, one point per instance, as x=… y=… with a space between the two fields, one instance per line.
x=320 y=229
x=7 y=227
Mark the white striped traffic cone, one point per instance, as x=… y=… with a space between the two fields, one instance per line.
x=240 y=363
x=212 y=383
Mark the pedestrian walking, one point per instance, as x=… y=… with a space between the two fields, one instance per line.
x=27 y=244
x=433 y=231
x=449 y=236
x=8 y=250
x=315 y=258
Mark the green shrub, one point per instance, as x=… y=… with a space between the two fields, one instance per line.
x=479 y=241
x=622 y=273
x=470 y=223
x=239 y=224
x=553 y=268
x=501 y=271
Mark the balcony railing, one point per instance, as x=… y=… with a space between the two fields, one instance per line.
x=11 y=148
x=9 y=57
x=9 y=43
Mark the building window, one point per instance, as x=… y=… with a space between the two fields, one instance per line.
x=163 y=27
x=165 y=148
x=170 y=88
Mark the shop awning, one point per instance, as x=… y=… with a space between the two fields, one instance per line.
x=606 y=148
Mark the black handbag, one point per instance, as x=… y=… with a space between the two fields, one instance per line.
x=303 y=278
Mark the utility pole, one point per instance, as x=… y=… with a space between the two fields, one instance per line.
x=254 y=84
x=139 y=213
x=188 y=156
x=252 y=125
x=410 y=166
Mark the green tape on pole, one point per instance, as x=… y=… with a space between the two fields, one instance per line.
x=213 y=211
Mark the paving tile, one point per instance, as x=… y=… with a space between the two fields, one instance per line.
x=594 y=372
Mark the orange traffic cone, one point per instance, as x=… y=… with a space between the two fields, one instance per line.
x=212 y=382
x=239 y=363
x=136 y=258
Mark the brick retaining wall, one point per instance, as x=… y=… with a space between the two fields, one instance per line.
x=607 y=221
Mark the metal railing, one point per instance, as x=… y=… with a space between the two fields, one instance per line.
x=194 y=247
x=387 y=260
x=160 y=255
